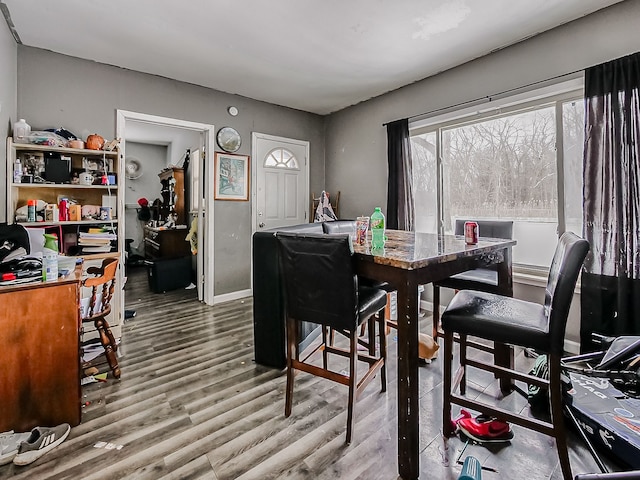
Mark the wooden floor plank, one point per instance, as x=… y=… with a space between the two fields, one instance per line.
x=192 y=404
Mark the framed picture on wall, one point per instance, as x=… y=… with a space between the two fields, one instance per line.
x=231 y=177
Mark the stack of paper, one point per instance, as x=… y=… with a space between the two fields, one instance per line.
x=95 y=241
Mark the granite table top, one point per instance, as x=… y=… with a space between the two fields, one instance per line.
x=415 y=250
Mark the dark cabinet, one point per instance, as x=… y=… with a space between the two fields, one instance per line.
x=163 y=242
x=166 y=243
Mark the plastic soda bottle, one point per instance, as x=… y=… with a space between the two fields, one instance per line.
x=50 y=258
x=377 y=229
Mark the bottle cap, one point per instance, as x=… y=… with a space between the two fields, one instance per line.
x=32 y=203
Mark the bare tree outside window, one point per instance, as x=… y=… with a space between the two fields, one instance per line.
x=504 y=167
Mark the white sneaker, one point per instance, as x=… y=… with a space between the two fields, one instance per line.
x=9 y=443
x=40 y=441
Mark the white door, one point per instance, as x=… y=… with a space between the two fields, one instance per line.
x=197 y=206
x=281 y=186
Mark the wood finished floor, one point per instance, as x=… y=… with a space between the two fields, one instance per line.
x=191 y=404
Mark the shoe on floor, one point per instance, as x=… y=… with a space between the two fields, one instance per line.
x=9 y=443
x=484 y=429
x=463 y=414
x=40 y=441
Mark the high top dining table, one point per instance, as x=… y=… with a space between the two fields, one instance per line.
x=408 y=260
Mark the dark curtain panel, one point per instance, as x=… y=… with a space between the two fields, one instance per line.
x=610 y=298
x=400 y=189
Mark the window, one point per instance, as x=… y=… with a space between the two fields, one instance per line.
x=281 y=158
x=522 y=163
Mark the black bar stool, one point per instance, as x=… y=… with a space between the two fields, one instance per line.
x=516 y=322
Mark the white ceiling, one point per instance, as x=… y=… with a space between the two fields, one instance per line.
x=313 y=55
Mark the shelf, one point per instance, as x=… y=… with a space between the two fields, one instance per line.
x=18 y=195
x=78 y=222
x=30 y=147
x=64 y=186
x=97 y=256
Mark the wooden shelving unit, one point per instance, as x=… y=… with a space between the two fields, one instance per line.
x=19 y=193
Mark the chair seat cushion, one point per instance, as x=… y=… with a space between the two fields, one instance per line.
x=479 y=279
x=367 y=282
x=370 y=301
x=498 y=318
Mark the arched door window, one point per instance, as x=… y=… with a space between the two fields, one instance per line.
x=281 y=158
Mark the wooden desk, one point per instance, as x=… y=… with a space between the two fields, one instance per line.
x=39 y=354
x=408 y=260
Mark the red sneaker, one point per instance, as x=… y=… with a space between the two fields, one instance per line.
x=463 y=414
x=484 y=429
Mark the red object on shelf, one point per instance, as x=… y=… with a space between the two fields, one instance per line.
x=64 y=210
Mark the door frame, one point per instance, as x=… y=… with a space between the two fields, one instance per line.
x=206 y=235
x=255 y=136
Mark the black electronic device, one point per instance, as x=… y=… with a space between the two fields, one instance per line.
x=57 y=169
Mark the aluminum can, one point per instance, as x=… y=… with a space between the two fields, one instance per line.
x=471 y=233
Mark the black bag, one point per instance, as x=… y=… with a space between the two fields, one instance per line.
x=12 y=238
x=538 y=396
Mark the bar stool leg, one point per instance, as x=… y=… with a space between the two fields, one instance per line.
x=448 y=365
x=382 y=330
x=436 y=312
x=463 y=364
x=353 y=374
x=291 y=354
x=557 y=419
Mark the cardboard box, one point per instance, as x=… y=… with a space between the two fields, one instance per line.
x=391 y=310
x=75 y=213
x=112 y=202
x=51 y=213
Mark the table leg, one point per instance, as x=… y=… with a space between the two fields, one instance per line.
x=408 y=417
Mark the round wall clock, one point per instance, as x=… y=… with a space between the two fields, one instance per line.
x=228 y=139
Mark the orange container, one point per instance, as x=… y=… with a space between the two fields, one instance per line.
x=75 y=213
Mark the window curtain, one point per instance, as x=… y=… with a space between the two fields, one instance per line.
x=400 y=190
x=610 y=297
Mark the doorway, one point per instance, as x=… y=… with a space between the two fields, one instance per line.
x=154 y=130
x=280 y=183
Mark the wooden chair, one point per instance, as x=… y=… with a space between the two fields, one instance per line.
x=102 y=285
x=321 y=287
x=484 y=279
x=511 y=321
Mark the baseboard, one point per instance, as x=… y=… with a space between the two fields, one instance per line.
x=227 y=297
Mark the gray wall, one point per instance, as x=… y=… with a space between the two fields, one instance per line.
x=8 y=59
x=83 y=96
x=356 y=144
x=356 y=155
